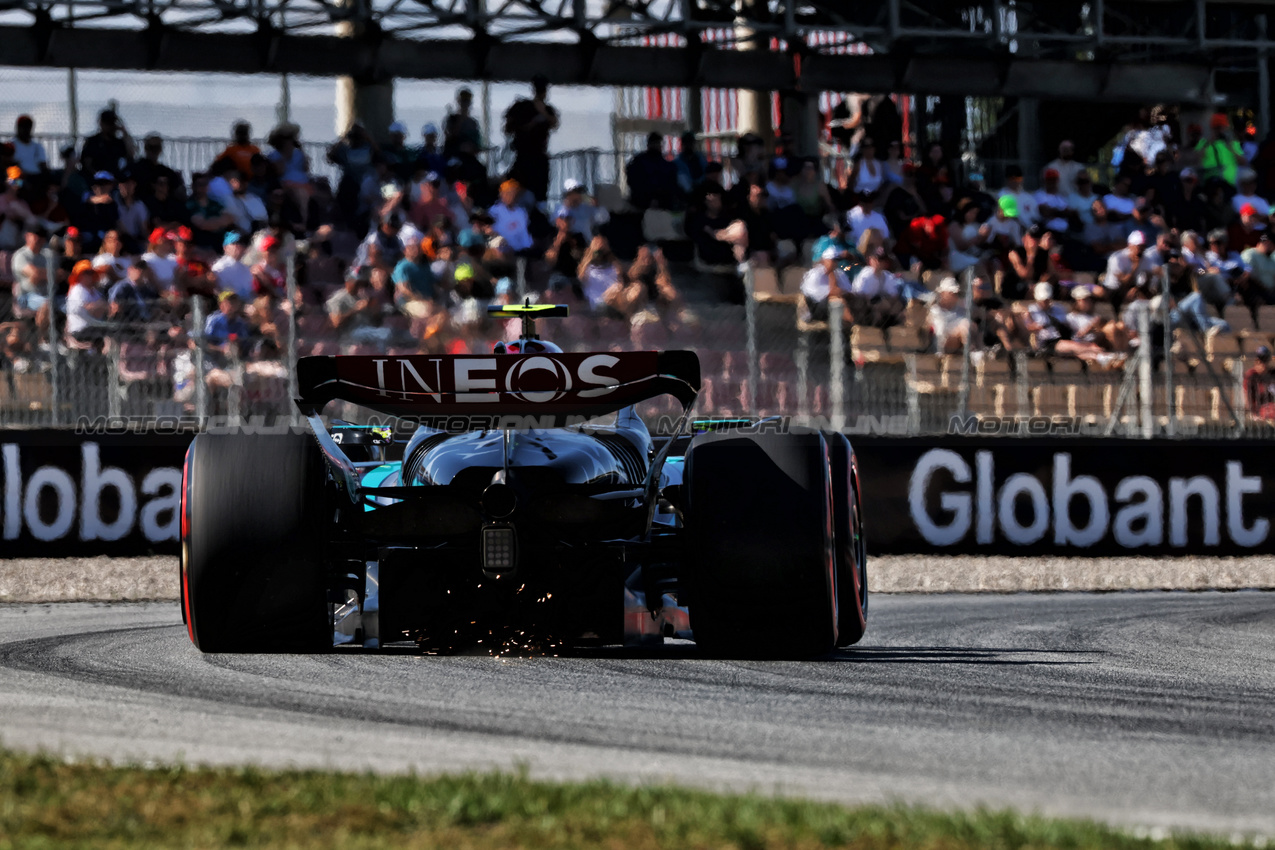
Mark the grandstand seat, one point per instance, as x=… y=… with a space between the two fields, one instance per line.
x=790 y=281
x=1222 y=346
x=649 y=336
x=1239 y=317
x=766 y=288
x=1266 y=317
x=610 y=197
x=868 y=344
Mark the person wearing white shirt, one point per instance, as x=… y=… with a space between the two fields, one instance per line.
x=817 y=283
x=1067 y=167
x=233 y=275
x=1119 y=201
x=874 y=297
x=1247 y=193
x=1052 y=203
x=248 y=209
x=599 y=271
x=862 y=218
x=1128 y=268
x=160 y=260
x=1027 y=211
x=28 y=153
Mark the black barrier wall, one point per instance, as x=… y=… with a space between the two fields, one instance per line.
x=62 y=494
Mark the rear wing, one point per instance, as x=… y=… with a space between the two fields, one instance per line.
x=551 y=388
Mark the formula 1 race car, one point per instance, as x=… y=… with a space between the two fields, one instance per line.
x=529 y=509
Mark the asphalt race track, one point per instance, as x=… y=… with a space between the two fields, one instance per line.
x=1152 y=709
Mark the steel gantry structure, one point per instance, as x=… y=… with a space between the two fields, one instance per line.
x=1136 y=50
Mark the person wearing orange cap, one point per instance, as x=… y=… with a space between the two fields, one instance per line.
x=85 y=306
x=159 y=258
x=1220 y=155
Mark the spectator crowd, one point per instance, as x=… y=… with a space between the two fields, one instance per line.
x=417 y=237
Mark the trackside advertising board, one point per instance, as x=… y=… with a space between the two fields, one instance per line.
x=118 y=494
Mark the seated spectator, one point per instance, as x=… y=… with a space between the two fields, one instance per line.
x=270 y=274
x=834 y=238
x=15 y=213
x=1120 y=200
x=111 y=149
x=1066 y=167
x=241 y=150
x=876 y=293
x=1088 y=327
x=431 y=209
x=511 y=220
x=993 y=318
x=1029 y=264
x=28 y=154
x=349 y=307
x=159 y=258
x=1102 y=235
x=429 y=157
x=864 y=216
x=1259 y=286
x=948 y=319
x=564 y=256
x=599 y=270
x=704 y=228
x=691 y=166
x=133 y=216
x=290 y=163
x=226 y=331
x=867 y=174
x=1127 y=269
x=758 y=241
x=167 y=211
x=812 y=195
x=819 y=283
x=1081 y=199
x=581 y=212
x=30 y=265
x=1050 y=329
x=1259 y=386
x=390 y=239
x=1028 y=213
x=652 y=178
x=99 y=213
x=208 y=218
x=248 y=210
x=1227 y=264
x=85 y=306
x=1244 y=232
x=112 y=247
x=131 y=298
x=414 y=283
x=1053 y=205
x=968 y=239
x=647 y=284
x=148 y=170
x=232 y=274
x=1006 y=229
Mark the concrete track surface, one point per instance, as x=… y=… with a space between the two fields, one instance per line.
x=1148 y=709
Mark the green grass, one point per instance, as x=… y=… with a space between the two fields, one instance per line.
x=47 y=802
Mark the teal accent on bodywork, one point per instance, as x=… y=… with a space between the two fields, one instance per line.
x=376 y=476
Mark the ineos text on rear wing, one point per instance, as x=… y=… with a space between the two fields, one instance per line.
x=551 y=387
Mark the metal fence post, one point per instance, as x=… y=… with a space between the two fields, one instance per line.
x=1171 y=407
x=234 y=393
x=803 y=377
x=1020 y=383
x=837 y=352
x=113 y=394
x=750 y=321
x=1144 y=375
x=55 y=358
x=291 y=359
x=521 y=267
x=201 y=382
x=1240 y=402
x=964 y=396
x=913 y=396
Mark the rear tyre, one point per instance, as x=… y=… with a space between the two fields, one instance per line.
x=759 y=525
x=253 y=578
x=849 y=547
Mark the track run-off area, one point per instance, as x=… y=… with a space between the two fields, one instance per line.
x=1146 y=709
